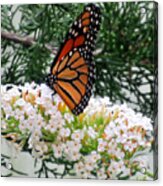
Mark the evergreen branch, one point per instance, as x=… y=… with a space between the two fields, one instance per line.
x=26 y=41
x=29 y=41
x=5 y=156
x=7 y=175
x=5 y=163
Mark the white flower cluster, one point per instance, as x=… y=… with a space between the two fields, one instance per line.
x=103 y=142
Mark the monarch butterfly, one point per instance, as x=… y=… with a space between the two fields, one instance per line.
x=72 y=72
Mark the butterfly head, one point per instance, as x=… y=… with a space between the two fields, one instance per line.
x=50 y=80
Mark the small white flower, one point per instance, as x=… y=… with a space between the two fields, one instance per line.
x=68 y=117
x=66 y=148
x=90 y=161
x=101 y=145
x=65 y=132
x=92 y=133
x=116 y=168
x=39 y=122
x=109 y=130
x=125 y=131
x=51 y=126
x=36 y=135
x=18 y=114
x=89 y=165
x=6 y=98
x=39 y=149
x=142 y=161
x=20 y=102
x=119 y=154
x=74 y=156
x=129 y=146
x=3 y=124
x=73 y=146
x=86 y=174
x=40 y=101
x=22 y=126
x=77 y=135
x=30 y=110
x=8 y=109
x=57 y=151
x=94 y=156
x=46 y=92
x=79 y=168
x=49 y=111
x=121 y=138
x=112 y=145
x=101 y=174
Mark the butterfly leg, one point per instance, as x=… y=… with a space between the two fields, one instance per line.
x=53 y=95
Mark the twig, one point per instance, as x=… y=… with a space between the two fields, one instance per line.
x=26 y=41
x=29 y=41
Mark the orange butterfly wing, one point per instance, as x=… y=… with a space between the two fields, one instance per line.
x=73 y=66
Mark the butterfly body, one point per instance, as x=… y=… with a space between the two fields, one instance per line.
x=72 y=72
x=51 y=80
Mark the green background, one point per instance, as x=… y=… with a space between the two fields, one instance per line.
x=125 y=54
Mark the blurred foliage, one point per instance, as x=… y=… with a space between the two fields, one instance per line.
x=126 y=49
